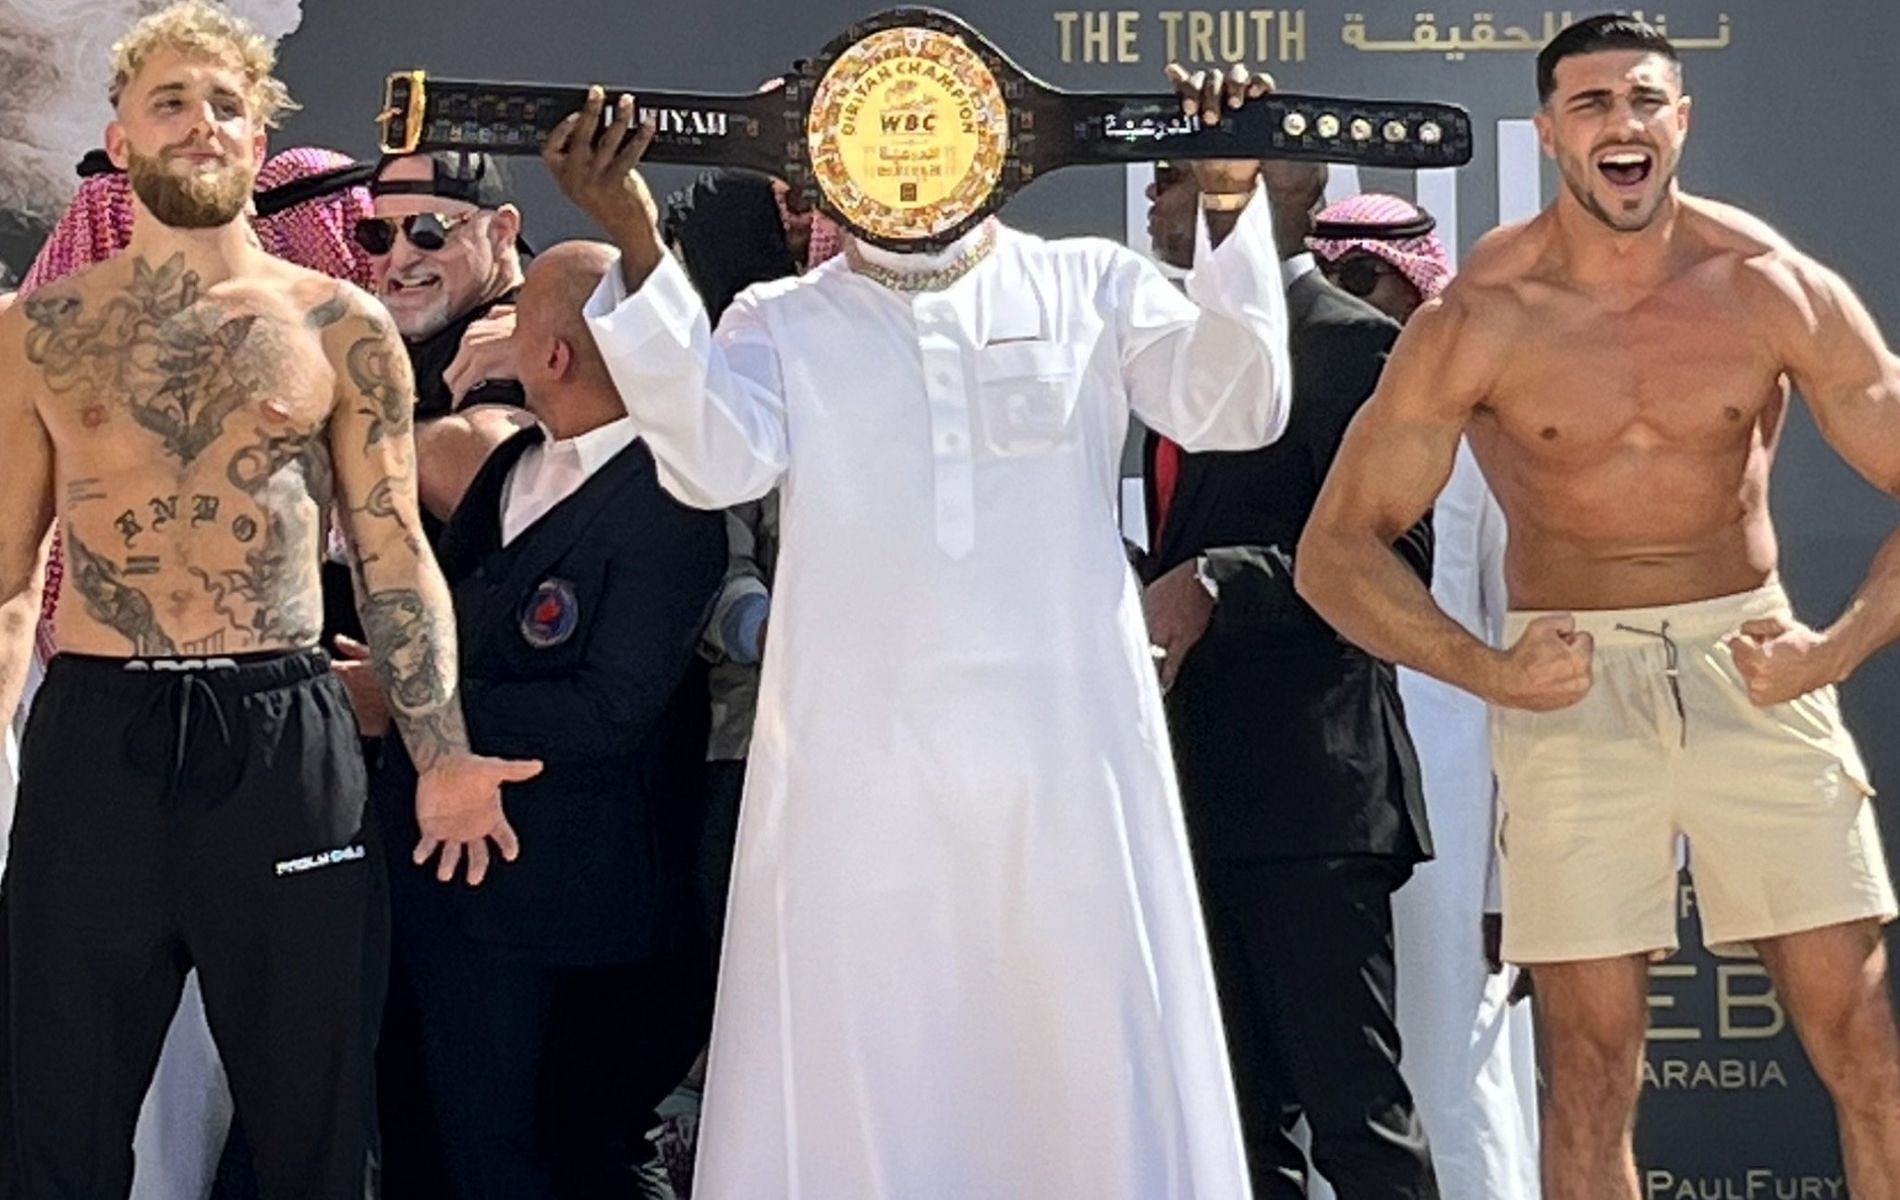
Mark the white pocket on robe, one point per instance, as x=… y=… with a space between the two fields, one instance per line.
x=1026 y=396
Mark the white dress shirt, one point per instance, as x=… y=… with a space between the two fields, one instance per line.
x=550 y=472
x=1300 y=264
x=964 y=953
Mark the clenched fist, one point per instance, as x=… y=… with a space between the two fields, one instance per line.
x=1549 y=667
x=1781 y=659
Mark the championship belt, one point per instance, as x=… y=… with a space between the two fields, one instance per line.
x=911 y=128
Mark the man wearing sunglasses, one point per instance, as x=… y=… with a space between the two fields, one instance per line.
x=1298 y=780
x=445 y=250
x=1382 y=249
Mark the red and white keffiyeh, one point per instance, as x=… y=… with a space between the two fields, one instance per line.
x=1421 y=259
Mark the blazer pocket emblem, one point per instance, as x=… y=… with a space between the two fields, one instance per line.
x=551 y=614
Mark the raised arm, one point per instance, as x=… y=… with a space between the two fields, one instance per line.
x=710 y=410
x=26 y=513
x=1397 y=455
x=710 y=407
x=404 y=603
x=1835 y=355
x=450 y=452
x=601 y=176
x=1211 y=370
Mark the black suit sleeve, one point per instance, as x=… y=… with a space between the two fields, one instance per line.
x=1345 y=366
x=646 y=629
x=1336 y=370
x=1356 y=360
x=496 y=391
x=1256 y=584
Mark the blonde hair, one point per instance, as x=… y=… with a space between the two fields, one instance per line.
x=204 y=30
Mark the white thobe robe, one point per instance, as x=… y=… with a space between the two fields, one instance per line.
x=1468 y=1054
x=963 y=955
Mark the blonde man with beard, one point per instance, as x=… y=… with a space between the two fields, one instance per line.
x=186 y=1118
x=192 y=793
x=54 y=68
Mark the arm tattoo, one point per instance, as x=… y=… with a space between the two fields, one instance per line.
x=381 y=501
x=372 y=369
x=112 y=602
x=407 y=640
x=183 y=364
x=329 y=312
x=398 y=619
x=406 y=620
x=319 y=472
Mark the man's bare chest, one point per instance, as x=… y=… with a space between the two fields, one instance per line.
x=159 y=374
x=1679 y=374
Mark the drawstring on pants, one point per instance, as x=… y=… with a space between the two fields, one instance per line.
x=187 y=695
x=1672 y=670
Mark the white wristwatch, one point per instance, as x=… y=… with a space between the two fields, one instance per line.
x=1205 y=578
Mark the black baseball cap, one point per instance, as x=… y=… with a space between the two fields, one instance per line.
x=467 y=175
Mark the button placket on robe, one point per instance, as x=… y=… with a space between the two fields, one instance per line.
x=940 y=341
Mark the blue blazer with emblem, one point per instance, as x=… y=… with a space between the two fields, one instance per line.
x=579 y=647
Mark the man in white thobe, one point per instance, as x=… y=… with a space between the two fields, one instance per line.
x=963 y=953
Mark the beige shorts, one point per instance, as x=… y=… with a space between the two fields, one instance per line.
x=1774 y=801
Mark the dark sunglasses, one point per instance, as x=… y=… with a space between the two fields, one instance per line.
x=1359 y=274
x=427 y=232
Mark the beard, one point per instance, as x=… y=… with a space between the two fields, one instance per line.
x=1578 y=179
x=423 y=321
x=427 y=297
x=199 y=200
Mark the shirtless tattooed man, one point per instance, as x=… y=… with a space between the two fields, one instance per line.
x=192 y=793
x=1622 y=363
